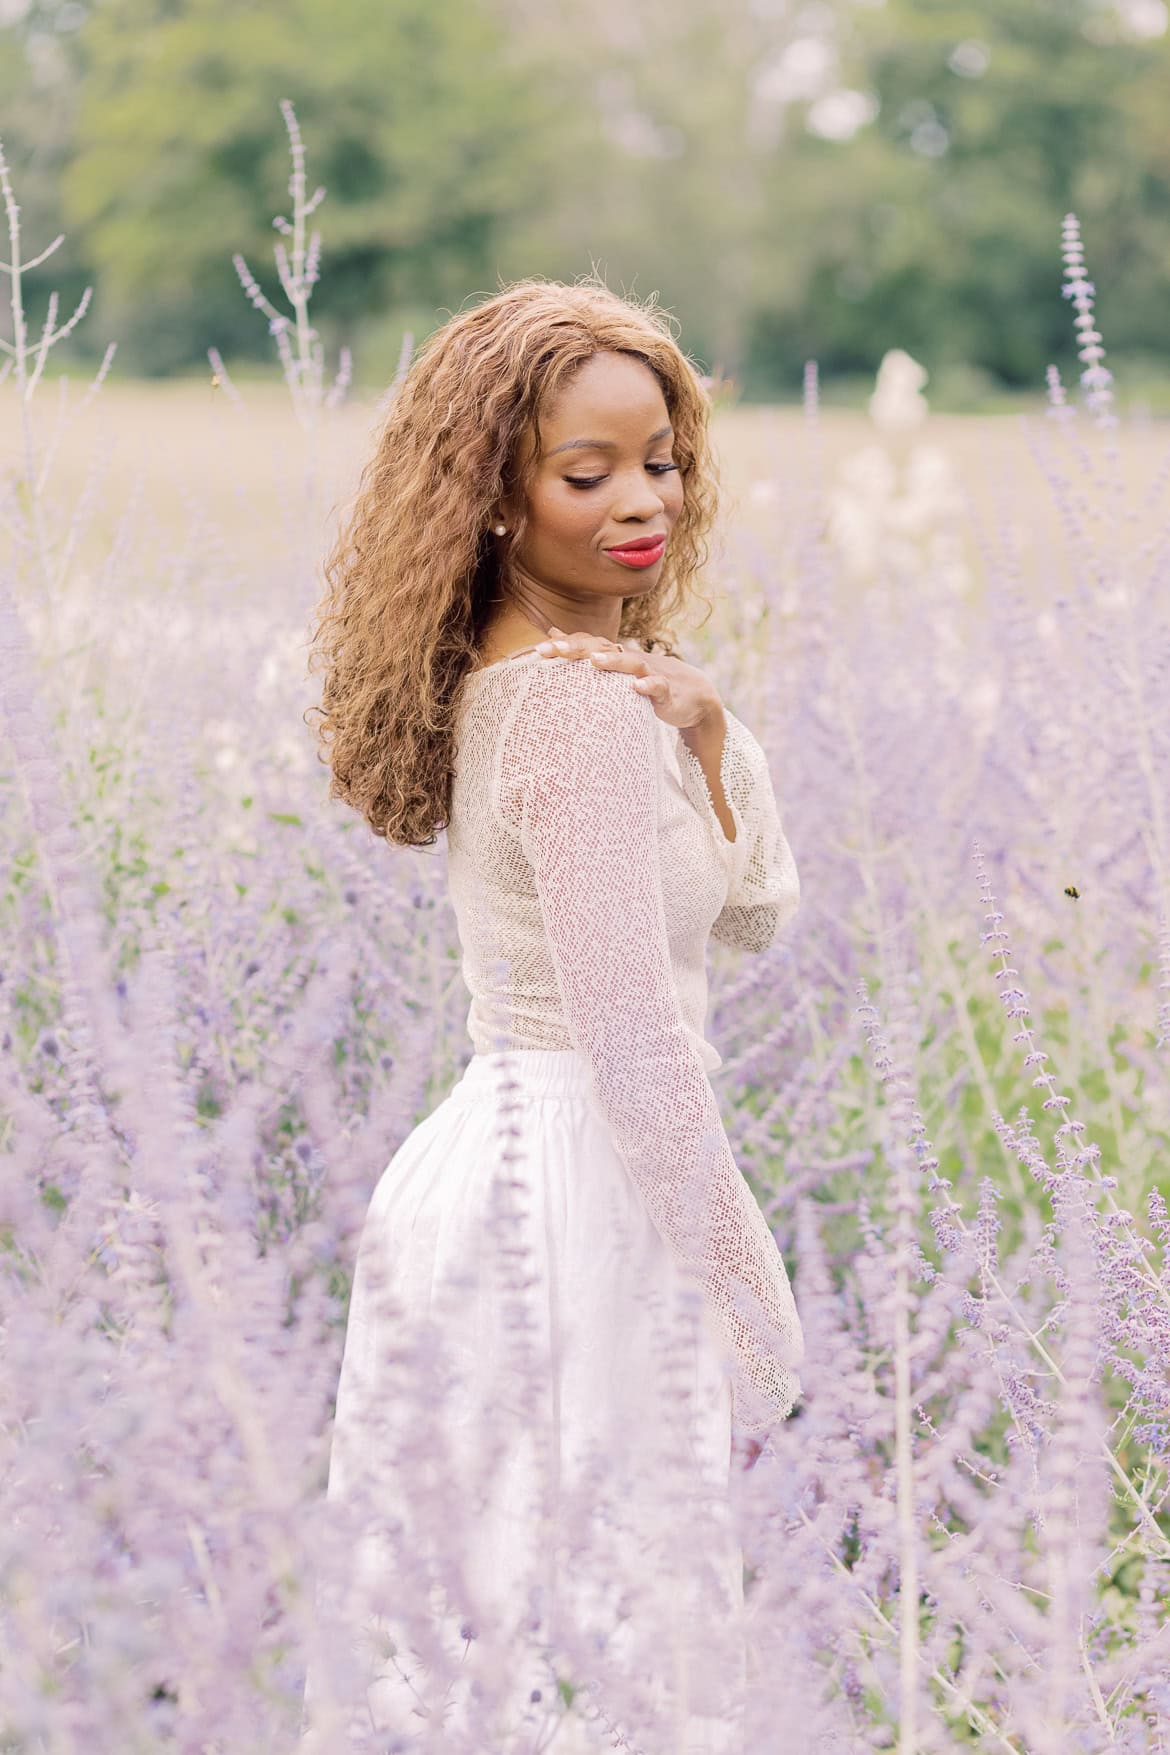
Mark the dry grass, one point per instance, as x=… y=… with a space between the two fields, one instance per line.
x=192 y=456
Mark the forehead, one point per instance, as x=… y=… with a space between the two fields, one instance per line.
x=612 y=396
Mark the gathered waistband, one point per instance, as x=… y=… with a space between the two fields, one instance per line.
x=537 y=1072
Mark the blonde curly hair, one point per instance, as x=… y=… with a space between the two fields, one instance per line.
x=414 y=571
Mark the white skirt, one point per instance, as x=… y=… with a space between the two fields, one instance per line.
x=529 y=1483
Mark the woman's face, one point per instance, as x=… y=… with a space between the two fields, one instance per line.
x=606 y=477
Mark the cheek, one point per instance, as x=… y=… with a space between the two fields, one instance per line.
x=562 y=517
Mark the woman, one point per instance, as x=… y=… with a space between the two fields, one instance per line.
x=565 y=1293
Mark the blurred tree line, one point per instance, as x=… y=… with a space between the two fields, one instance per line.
x=796 y=178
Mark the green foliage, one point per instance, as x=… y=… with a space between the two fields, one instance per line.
x=937 y=227
x=416 y=124
x=40 y=70
x=477 y=140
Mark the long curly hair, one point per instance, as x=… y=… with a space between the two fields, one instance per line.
x=414 y=571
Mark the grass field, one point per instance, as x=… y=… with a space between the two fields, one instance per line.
x=198 y=461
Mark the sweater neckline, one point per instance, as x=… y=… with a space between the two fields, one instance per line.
x=498 y=663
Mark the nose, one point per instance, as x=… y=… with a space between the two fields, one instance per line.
x=637 y=498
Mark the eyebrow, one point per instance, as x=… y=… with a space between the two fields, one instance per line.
x=602 y=444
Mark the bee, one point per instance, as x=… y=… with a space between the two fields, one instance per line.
x=1071 y=890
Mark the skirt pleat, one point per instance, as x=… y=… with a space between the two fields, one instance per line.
x=529 y=1486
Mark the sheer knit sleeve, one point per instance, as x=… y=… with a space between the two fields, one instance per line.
x=582 y=766
x=764 y=888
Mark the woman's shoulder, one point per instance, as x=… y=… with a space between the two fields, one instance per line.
x=575 y=697
x=541 y=712
x=566 y=720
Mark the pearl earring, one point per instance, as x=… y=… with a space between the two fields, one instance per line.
x=501 y=529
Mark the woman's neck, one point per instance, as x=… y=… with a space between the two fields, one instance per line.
x=508 y=633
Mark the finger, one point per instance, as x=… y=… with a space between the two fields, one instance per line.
x=575 y=646
x=564 y=645
x=656 y=687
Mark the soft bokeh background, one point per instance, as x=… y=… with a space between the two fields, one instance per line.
x=826 y=179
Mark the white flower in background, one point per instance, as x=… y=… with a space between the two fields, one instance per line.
x=224 y=737
x=897 y=403
x=929 y=476
x=898 y=521
x=858 y=506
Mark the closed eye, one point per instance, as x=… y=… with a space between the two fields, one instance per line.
x=589 y=481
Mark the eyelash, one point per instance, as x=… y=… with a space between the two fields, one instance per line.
x=592 y=480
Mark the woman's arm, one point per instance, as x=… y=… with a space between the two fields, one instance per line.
x=705 y=742
x=763 y=884
x=580 y=770
x=724 y=772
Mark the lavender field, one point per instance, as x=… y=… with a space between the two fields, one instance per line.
x=225 y=1005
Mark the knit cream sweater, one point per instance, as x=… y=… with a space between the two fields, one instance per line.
x=587 y=871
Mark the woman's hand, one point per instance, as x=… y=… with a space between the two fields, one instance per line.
x=678 y=693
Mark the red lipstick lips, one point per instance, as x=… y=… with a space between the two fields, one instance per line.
x=642 y=551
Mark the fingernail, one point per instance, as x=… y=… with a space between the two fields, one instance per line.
x=602 y=657
x=561 y=645
x=545 y=646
